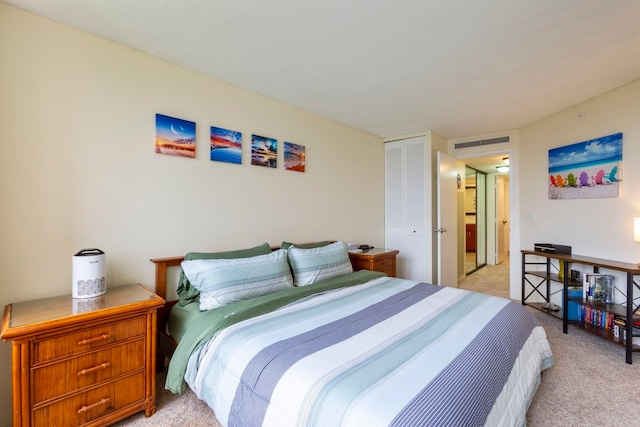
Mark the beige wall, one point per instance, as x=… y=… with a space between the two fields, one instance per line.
x=593 y=227
x=78 y=167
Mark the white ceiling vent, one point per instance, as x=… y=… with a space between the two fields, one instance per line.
x=482 y=142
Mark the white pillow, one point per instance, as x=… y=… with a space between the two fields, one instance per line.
x=224 y=281
x=312 y=265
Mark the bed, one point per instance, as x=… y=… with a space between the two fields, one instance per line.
x=345 y=348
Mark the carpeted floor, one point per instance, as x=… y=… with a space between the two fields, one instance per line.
x=171 y=410
x=589 y=385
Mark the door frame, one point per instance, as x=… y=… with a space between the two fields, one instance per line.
x=514 y=214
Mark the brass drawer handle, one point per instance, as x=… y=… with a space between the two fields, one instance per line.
x=92 y=340
x=104 y=365
x=103 y=401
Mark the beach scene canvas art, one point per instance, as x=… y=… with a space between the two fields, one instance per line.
x=264 y=151
x=175 y=136
x=586 y=170
x=294 y=157
x=226 y=145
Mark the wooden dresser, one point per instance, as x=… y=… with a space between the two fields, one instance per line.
x=83 y=362
x=383 y=260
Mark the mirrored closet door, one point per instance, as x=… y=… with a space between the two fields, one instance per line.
x=475 y=204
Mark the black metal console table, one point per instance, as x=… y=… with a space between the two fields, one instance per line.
x=542 y=288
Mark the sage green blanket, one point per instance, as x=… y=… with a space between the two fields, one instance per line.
x=217 y=319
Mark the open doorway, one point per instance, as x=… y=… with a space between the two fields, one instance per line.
x=492 y=199
x=503 y=221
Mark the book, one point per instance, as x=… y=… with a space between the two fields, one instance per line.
x=599 y=318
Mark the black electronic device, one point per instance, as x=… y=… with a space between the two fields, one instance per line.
x=552 y=248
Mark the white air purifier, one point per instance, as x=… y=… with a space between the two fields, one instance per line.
x=89 y=274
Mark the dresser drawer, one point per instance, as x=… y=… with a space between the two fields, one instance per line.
x=385 y=264
x=86 y=339
x=362 y=264
x=388 y=271
x=69 y=375
x=93 y=404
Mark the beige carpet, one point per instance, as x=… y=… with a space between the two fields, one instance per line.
x=171 y=410
x=589 y=385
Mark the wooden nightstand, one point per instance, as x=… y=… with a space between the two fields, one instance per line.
x=383 y=260
x=87 y=362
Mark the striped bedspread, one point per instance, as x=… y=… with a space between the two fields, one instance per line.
x=390 y=352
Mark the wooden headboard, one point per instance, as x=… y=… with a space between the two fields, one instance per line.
x=166 y=344
x=161 y=272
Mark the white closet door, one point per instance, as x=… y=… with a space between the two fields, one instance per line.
x=415 y=210
x=394 y=185
x=405 y=209
x=394 y=204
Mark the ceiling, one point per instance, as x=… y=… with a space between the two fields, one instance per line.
x=459 y=68
x=487 y=164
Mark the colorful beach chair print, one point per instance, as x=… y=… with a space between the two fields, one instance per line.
x=562 y=182
x=584 y=179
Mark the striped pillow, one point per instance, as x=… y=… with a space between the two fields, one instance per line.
x=224 y=281
x=312 y=265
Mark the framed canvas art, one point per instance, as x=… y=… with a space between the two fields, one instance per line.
x=176 y=137
x=264 y=151
x=586 y=170
x=294 y=157
x=226 y=145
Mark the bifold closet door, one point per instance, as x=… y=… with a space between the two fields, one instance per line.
x=405 y=205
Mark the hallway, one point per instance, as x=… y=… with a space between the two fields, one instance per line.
x=490 y=279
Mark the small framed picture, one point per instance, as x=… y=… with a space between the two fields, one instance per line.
x=176 y=137
x=294 y=157
x=264 y=151
x=226 y=145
